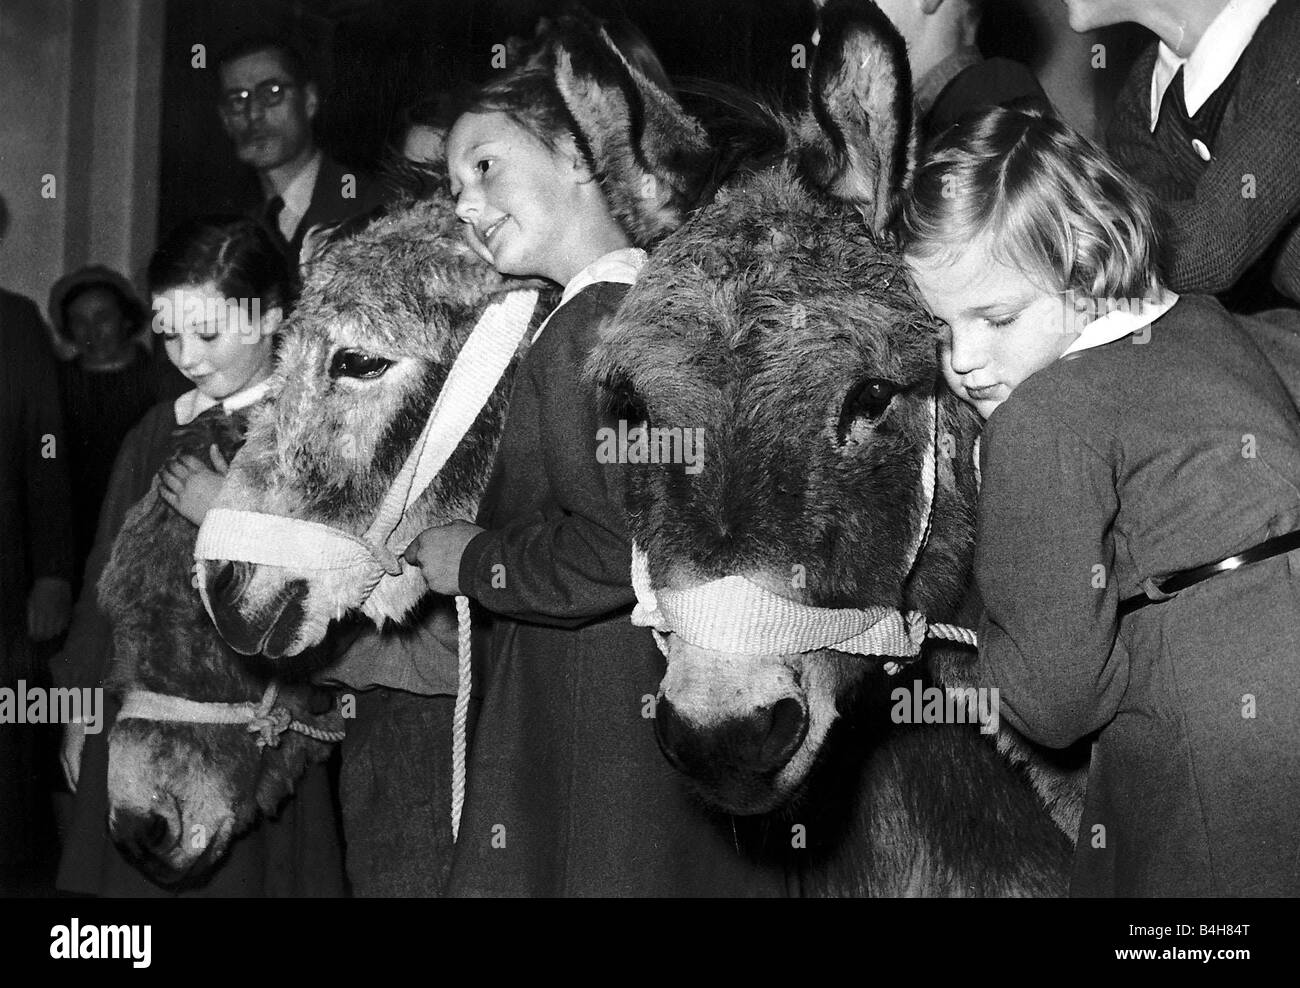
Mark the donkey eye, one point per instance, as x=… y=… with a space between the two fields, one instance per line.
x=355 y=363
x=868 y=400
x=623 y=403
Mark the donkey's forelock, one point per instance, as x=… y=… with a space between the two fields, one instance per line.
x=401 y=277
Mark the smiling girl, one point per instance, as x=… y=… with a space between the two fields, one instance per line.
x=220 y=287
x=1138 y=554
x=568 y=792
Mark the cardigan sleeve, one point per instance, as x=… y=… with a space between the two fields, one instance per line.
x=1044 y=567
x=574 y=566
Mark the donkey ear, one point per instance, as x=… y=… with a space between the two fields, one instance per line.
x=858 y=137
x=649 y=156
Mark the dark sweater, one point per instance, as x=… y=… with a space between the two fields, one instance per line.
x=569 y=794
x=1126 y=463
x=1243 y=207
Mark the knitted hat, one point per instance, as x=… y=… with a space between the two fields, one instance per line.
x=94 y=275
x=99 y=276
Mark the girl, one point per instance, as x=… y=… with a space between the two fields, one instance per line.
x=1137 y=552
x=568 y=793
x=208 y=260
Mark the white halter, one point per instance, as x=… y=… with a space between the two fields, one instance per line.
x=733 y=614
x=266 y=718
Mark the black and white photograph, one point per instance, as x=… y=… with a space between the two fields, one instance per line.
x=570 y=449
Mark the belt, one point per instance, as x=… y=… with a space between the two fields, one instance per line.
x=1182 y=580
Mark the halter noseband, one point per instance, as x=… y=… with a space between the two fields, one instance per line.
x=735 y=615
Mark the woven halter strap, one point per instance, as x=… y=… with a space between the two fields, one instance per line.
x=266 y=718
x=272 y=540
x=735 y=615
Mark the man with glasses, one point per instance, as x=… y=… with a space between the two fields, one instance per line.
x=268 y=102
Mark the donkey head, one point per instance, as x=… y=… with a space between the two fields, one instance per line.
x=180 y=792
x=778 y=328
x=382 y=317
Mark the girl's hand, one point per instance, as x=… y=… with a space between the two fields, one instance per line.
x=437 y=552
x=189 y=486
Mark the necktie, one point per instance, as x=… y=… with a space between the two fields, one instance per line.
x=271 y=217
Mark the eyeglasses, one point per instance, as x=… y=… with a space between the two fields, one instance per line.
x=236 y=102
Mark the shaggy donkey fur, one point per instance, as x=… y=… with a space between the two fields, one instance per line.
x=188 y=775
x=785 y=328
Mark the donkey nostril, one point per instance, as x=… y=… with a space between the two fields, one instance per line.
x=142 y=834
x=155 y=831
x=788 y=723
x=224 y=579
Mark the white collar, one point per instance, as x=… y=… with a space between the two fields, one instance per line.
x=194 y=403
x=1213 y=59
x=297 y=195
x=618 y=266
x=1118 y=323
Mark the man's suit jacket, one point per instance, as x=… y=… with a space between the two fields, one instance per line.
x=330 y=205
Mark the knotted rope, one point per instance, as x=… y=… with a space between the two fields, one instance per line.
x=266 y=718
x=273 y=540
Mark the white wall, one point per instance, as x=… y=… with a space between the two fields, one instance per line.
x=79 y=101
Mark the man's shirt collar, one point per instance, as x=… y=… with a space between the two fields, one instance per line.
x=1212 y=61
x=297 y=196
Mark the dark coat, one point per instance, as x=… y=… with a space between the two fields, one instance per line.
x=296 y=854
x=1241 y=209
x=35 y=542
x=99 y=409
x=1126 y=463
x=35 y=514
x=328 y=203
x=569 y=794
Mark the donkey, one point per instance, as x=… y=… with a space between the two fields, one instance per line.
x=779 y=322
x=178 y=791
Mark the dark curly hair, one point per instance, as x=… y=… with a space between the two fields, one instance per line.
x=236 y=253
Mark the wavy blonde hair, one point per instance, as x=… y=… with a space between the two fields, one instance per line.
x=1050 y=202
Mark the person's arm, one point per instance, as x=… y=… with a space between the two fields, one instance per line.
x=574 y=568
x=1044 y=566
